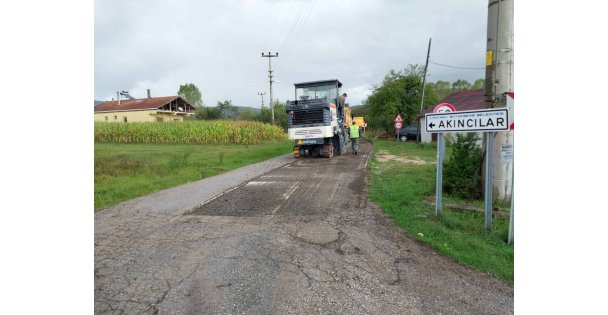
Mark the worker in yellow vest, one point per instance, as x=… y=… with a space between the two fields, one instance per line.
x=354 y=138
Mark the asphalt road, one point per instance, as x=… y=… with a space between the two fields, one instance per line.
x=281 y=237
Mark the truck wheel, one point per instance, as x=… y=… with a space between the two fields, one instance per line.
x=403 y=138
x=328 y=150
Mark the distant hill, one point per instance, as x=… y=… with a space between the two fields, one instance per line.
x=98 y=102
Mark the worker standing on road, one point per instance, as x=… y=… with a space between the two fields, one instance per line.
x=354 y=137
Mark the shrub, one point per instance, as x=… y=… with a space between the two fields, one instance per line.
x=462 y=173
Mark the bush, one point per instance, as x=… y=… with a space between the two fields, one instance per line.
x=462 y=173
x=208 y=113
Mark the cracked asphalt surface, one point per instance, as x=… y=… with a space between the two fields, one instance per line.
x=280 y=237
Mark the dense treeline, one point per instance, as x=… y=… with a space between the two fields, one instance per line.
x=401 y=92
x=225 y=110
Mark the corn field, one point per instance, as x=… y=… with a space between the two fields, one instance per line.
x=191 y=132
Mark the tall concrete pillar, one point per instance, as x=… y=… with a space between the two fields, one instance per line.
x=499 y=81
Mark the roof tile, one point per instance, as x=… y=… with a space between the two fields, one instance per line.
x=136 y=104
x=464 y=100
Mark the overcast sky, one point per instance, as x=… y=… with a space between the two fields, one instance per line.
x=217 y=45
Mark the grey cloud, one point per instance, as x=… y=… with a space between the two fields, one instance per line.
x=217 y=44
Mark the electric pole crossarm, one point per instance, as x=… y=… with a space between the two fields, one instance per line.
x=261 y=94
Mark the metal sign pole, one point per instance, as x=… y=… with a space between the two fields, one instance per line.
x=439 y=184
x=488 y=185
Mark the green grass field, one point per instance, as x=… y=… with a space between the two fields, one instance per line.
x=401 y=189
x=126 y=171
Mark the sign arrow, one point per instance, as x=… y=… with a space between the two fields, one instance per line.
x=431 y=125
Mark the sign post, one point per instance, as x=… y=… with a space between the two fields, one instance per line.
x=510 y=103
x=440 y=108
x=398 y=124
x=439 y=180
x=489 y=176
x=487 y=120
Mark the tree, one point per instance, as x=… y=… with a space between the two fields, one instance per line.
x=442 y=88
x=478 y=84
x=280 y=116
x=191 y=94
x=461 y=84
x=400 y=92
x=227 y=109
x=462 y=172
x=208 y=113
x=246 y=114
x=362 y=110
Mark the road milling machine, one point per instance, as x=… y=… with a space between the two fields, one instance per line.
x=317 y=120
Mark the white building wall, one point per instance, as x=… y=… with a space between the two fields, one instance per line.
x=425 y=137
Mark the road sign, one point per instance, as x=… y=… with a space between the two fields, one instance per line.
x=398 y=118
x=495 y=119
x=444 y=108
x=510 y=103
x=398 y=125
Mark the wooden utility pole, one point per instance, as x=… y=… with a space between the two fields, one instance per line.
x=269 y=56
x=426 y=65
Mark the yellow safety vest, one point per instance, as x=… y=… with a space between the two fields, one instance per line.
x=354 y=131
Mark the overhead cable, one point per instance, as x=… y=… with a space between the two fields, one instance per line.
x=439 y=64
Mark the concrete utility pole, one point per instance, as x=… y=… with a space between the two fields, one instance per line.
x=261 y=94
x=269 y=56
x=499 y=81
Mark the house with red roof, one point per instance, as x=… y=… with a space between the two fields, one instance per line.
x=463 y=100
x=165 y=108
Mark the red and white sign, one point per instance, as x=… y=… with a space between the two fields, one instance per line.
x=444 y=108
x=398 y=125
x=398 y=118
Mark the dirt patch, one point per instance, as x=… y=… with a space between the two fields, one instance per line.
x=384 y=156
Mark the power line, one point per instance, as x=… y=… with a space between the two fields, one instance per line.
x=291 y=38
x=277 y=14
x=295 y=24
x=285 y=27
x=439 y=64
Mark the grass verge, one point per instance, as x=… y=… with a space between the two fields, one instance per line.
x=402 y=190
x=126 y=171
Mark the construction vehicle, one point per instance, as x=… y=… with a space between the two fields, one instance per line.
x=359 y=121
x=317 y=121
